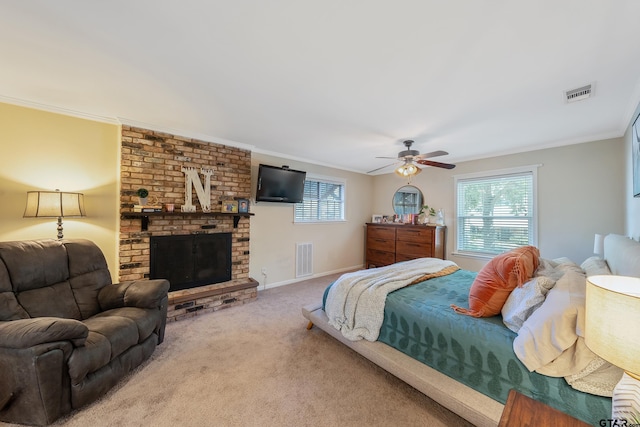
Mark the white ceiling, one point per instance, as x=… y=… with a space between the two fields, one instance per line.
x=335 y=82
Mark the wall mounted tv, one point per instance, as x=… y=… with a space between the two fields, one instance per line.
x=282 y=185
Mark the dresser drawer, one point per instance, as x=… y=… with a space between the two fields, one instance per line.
x=381 y=232
x=388 y=245
x=380 y=258
x=415 y=234
x=419 y=250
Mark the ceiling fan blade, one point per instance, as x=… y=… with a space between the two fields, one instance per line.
x=431 y=154
x=375 y=170
x=436 y=164
x=387 y=158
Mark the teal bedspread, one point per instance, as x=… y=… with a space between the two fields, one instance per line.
x=478 y=352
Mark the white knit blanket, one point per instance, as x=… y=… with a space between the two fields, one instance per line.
x=355 y=302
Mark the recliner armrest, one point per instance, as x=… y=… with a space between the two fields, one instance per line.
x=136 y=293
x=25 y=333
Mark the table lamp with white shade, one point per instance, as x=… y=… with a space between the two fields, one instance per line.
x=612 y=331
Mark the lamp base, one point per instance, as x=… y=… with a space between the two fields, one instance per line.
x=60 y=235
x=626 y=399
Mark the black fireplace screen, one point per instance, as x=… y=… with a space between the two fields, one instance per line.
x=191 y=260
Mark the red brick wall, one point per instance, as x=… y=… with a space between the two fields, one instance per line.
x=153 y=160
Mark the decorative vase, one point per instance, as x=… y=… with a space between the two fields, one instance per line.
x=142 y=201
x=440 y=217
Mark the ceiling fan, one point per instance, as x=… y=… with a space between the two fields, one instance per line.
x=410 y=157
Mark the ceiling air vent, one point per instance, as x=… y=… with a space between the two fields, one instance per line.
x=578 y=94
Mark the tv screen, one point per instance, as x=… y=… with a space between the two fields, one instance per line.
x=279 y=184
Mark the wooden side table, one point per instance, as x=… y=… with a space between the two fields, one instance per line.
x=521 y=411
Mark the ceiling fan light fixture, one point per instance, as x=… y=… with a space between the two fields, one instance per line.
x=408 y=169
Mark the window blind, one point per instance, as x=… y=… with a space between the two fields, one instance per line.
x=495 y=213
x=323 y=201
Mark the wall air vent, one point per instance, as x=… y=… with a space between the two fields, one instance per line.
x=578 y=94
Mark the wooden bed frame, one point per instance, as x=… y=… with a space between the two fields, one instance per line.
x=622 y=255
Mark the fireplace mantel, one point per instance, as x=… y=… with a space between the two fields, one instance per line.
x=144 y=216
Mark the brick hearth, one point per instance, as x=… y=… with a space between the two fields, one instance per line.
x=153 y=160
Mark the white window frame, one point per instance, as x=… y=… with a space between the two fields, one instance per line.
x=327 y=180
x=533 y=169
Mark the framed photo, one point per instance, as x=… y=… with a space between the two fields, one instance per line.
x=243 y=206
x=376 y=218
x=635 y=147
x=230 y=206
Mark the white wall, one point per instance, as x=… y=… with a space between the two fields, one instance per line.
x=336 y=246
x=581 y=192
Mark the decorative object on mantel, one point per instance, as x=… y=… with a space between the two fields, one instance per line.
x=202 y=191
x=142 y=193
x=147 y=208
x=54 y=204
x=243 y=205
x=230 y=206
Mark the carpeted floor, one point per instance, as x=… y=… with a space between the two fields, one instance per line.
x=257 y=365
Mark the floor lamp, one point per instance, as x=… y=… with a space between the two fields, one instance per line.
x=54 y=204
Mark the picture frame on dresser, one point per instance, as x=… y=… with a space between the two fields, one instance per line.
x=376 y=218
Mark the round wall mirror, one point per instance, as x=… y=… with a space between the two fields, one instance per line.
x=407 y=200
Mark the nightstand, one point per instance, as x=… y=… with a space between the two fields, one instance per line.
x=522 y=411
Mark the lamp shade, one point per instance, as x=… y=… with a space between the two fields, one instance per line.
x=598 y=244
x=408 y=169
x=54 y=204
x=612 y=319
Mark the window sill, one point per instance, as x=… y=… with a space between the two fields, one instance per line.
x=472 y=255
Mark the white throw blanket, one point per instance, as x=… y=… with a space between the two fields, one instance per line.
x=355 y=302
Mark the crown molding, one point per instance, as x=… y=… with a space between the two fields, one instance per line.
x=58 y=110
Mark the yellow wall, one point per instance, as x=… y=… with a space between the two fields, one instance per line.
x=47 y=151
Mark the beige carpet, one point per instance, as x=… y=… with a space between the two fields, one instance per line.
x=257 y=365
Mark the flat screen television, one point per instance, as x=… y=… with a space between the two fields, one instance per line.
x=279 y=184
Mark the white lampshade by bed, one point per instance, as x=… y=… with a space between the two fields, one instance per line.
x=613 y=332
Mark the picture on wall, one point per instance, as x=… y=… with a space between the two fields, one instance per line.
x=635 y=147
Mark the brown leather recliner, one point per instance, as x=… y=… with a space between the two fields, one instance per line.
x=67 y=334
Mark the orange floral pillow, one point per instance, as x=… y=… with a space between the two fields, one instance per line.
x=498 y=278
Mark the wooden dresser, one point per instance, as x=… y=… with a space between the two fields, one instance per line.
x=389 y=243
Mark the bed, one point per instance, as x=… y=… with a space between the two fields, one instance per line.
x=469 y=364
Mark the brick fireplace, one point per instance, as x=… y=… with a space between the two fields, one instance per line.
x=153 y=160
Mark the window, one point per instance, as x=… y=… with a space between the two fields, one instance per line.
x=323 y=201
x=496 y=212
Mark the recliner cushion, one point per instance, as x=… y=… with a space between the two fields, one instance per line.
x=89 y=273
x=121 y=332
x=146 y=319
x=50 y=301
x=95 y=354
x=34 y=264
x=9 y=307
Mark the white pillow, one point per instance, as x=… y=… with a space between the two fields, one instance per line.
x=555 y=326
x=524 y=300
x=595 y=266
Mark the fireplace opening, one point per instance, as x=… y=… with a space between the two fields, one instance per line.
x=188 y=261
